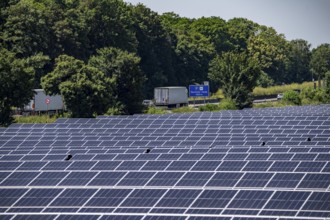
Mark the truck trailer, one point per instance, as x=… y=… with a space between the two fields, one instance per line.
x=42 y=102
x=173 y=96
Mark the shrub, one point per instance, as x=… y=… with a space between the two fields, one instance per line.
x=269 y=105
x=291 y=97
x=274 y=90
x=227 y=104
x=154 y=110
x=209 y=107
x=183 y=110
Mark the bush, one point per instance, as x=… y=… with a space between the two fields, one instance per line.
x=314 y=96
x=154 y=110
x=185 y=109
x=274 y=90
x=291 y=97
x=227 y=104
x=209 y=107
x=39 y=118
x=269 y=105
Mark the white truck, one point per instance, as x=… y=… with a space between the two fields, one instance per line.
x=173 y=96
x=42 y=102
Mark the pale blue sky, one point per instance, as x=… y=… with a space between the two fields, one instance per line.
x=296 y=19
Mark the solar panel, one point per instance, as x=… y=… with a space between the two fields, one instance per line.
x=204 y=165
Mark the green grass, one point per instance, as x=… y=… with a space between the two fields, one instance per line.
x=276 y=104
x=185 y=109
x=39 y=118
x=154 y=110
x=35 y=119
x=274 y=90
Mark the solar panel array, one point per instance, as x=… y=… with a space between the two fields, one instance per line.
x=229 y=165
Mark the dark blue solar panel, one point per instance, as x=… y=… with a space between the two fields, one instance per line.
x=34 y=217
x=254 y=180
x=315 y=181
x=38 y=197
x=78 y=217
x=108 y=197
x=136 y=179
x=107 y=179
x=285 y=180
x=310 y=166
x=143 y=197
x=287 y=200
x=165 y=179
x=57 y=165
x=224 y=179
x=318 y=201
x=165 y=218
x=106 y=165
x=314 y=214
x=19 y=179
x=81 y=165
x=181 y=165
x=194 y=179
x=10 y=196
x=60 y=210
x=279 y=213
x=178 y=198
x=257 y=166
x=214 y=199
x=205 y=165
x=9 y=165
x=250 y=199
x=156 y=165
x=232 y=165
x=77 y=179
x=131 y=165
x=32 y=165
x=73 y=197
x=287 y=166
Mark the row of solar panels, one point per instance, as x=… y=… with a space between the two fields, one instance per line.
x=231 y=154
x=262 y=202
x=149 y=122
x=171 y=165
x=150 y=216
x=176 y=179
x=261 y=164
x=173 y=132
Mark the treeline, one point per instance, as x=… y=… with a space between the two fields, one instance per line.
x=106 y=56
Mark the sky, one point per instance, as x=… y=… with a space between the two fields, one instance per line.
x=296 y=19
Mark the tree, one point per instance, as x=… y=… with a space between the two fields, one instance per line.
x=86 y=90
x=299 y=56
x=327 y=87
x=17 y=81
x=154 y=48
x=237 y=74
x=215 y=29
x=122 y=68
x=240 y=30
x=320 y=61
x=194 y=52
x=110 y=23
x=270 y=49
x=71 y=31
x=27 y=29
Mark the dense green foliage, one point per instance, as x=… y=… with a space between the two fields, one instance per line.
x=85 y=89
x=237 y=74
x=320 y=61
x=292 y=97
x=16 y=80
x=126 y=78
x=110 y=54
